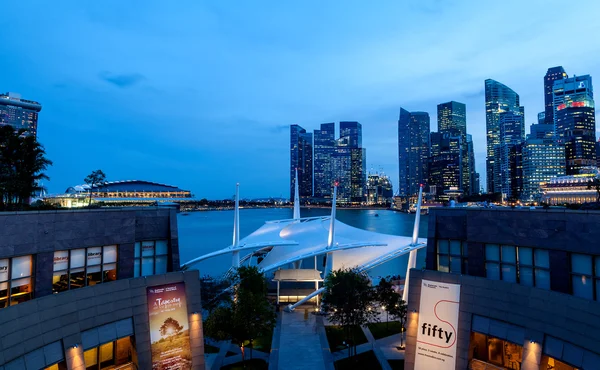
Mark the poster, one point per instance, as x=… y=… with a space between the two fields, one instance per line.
x=438 y=326
x=169 y=327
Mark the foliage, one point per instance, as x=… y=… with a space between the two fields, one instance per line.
x=595 y=184
x=95 y=178
x=392 y=303
x=210 y=349
x=248 y=316
x=170 y=327
x=384 y=329
x=22 y=162
x=212 y=292
x=336 y=336
x=348 y=299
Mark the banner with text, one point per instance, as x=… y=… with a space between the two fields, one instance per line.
x=438 y=326
x=169 y=327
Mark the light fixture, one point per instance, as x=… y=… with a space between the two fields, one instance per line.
x=74 y=345
x=532 y=341
x=414 y=311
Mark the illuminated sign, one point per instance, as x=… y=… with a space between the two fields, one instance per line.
x=438 y=326
x=169 y=327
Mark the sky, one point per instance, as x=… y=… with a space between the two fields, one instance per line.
x=201 y=94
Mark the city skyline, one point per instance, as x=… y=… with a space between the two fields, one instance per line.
x=130 y=94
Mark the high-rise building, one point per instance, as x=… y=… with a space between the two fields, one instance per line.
x=445 y=165
x=353 y=131
x=20 y=113
x=499 y=98
x=474 y=176
x=452 y=119
x=508 y=172
x=553 y=74
x=541 y=118
x=324 y=145
x=543 y=159
x=379 y=189
x=413 y=151
x=301 y=158
x=575 y=122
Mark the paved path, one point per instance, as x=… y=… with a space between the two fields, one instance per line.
x=389 y=346
x=299 y=342
x=378 y=352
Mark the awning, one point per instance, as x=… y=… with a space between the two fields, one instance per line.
x=298 y=275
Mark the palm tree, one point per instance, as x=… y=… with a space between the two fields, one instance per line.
x=95 y=178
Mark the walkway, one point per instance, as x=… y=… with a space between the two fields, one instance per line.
x=300 y=342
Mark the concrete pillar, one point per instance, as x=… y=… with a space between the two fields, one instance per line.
x=74 y=358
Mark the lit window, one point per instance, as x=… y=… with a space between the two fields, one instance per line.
x=77 y=268
x=15 y=280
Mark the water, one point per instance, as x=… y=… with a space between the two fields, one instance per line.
x=205 y=232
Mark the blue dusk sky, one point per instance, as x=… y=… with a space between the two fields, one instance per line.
x=201 y=94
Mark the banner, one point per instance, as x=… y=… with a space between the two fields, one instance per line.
x=169 y=327
x=438 y=326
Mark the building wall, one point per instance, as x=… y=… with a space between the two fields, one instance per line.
x=540 y=313
x=64 y=318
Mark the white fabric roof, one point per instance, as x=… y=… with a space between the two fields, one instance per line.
x=298 y=275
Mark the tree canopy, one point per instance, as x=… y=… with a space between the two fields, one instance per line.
x=349 y=300
x=245 y=317
x=391 y=302
x=95 y=178
x=22 y=162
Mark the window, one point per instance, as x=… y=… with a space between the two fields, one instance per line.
x=77 y=268
x=585 y=276
x=492 y=350
x=16 y=280
x=151 y=258
x=452 y=256
x=62 y=365
x=119 y=354
x=550 y=363
x=521 y=265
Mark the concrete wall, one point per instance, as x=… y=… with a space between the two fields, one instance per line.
x=36 y=324
x=539 y=312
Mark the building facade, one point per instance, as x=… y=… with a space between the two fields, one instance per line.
x=413 y=151
x=452 y=119
x=445 y=165
x=543 y=160
x=76 y=290
x=499 y=98
x=553 y=74
x=324 y=145
x=526 y=291
x=570 y=189
x=508 y=171
x=301 y=158
x=379 y=190
x=20 y=113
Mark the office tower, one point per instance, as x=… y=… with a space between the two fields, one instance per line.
x=413 y=151
x=541 y=118
x=452 y=119
x=20 y=113
x=543 y=159
x=499 y=98
x=324 y=144
x=379 y=189
x=301 y=146
x=349 y=163
x=553 y=74
x=445 y=165
x=508 y=174
x=575 y=122
x=474 y=176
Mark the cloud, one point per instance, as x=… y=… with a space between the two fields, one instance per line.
x=122 y=80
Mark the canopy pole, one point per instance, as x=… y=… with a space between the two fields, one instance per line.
x=296 y=198
x=235 y=256
x=412 y=257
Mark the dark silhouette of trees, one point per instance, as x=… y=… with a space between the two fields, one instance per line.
x=95 y=178
x=22 y=162
x=245 y=317
x=347 y=300
x=392 y=303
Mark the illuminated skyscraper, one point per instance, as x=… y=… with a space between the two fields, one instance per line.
x=452 y=120
x=553 y=74
x=349 y=163
x=413 y=151
x=499 y=98
x=575 y=121
x=301 y=158
x=20 y=113
x=324 y=143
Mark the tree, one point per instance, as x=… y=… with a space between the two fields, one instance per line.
x=595 y=184
x=95 y=178
x=170 y=327
x=392 y=303
x=247 y=316
x=22 y=162
x=347 y=300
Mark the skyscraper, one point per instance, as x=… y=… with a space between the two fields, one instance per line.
x=452 y=119
x=553 y=74
x=543 y=159
x=413 y=150
x=474 y=176
x=499 y=98
x=508 y=172
x=324 y=144
x=19 y=113
x=445 y=165
x=301 y=158
x=575 y=122
x=349 y=163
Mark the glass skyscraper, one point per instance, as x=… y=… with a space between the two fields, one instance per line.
x=445 y=165
x=452 y=119
x=499 y=98
x=553 y=74
x=349 y=163
x=301 y=158
x=324 y=145
x=575 y=121
x=20 y=113
x=413 y=151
